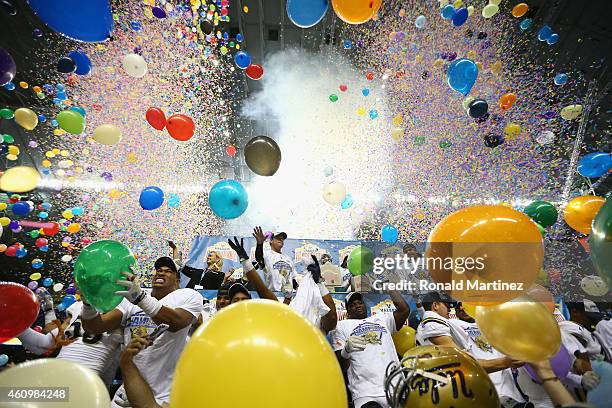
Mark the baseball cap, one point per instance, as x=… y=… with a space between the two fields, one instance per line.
x=352 y=296
x=167 y=262
x=431 y=297
x=279 y=235
x=238 y=287
x=224 y=289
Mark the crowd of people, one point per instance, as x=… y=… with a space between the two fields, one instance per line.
x=135 y=347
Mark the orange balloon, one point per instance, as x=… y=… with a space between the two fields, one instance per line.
x=581 y=211
x=519 y=10
x=507 y=100
x=356 y=11
x=472 y=254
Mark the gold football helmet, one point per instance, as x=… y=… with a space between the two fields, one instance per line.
x=441 y=377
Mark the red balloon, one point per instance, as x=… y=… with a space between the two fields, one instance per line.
x=255 y=72
x=41 y=242
x=180 y=127
x=231 y=150
x=18 y=309
x=51 y=230
x=156 y=118
x=11 y=251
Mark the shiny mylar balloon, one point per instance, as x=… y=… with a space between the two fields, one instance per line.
x=18 y=309
x=8 y=69
x=26 y=118
x=592 y=165
x=97 y=270
x=262 y=155
x=389 y=234
x=356 y=11
x=600 y=242
x=180 y=127
x=306 y=13
x=360 y=261
x=581 y=211
x=71 y=121
x=19 y=179
x=151 y=198
x=228 y=199
x=542 y=212
x=270 y=332
x=156 y=118
x=461 y=75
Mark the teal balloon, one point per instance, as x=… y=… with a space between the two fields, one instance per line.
x=542 y=212
x=97 y=270
x=599 y=396
x=361 y=261
x=461 y=75
x=228 y=199
x=600 y=242
x=389 y=234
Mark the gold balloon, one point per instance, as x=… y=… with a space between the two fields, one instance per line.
x=581 y=211
x=85 y=388
x=449 y=378
x=571 y=112
x=19 y=179
x=107 y=135
x=284 y=361
x=262 y=155
x=404 y=339
x=26 y=118
x=523 y=329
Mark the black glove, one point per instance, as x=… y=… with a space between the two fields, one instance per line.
x=239 y=248
x=344 y=261
x=315 y=269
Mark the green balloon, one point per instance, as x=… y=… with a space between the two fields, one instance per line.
x=361 y=261
x=600 y=242
x=71 y=121
x=8 y=138
x=97 y=270
x=542 y=212
x=6 y=113
x=541 y=229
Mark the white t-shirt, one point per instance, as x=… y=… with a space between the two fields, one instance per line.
x=278 y=266
x=156 y=363
x=581 y=339
x=346 y=277
x=366 y=372
x=603 y=330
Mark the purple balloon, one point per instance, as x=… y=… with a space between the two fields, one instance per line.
x=71 y=290
x=8 y=69
x=33 y=285
x=560 y=363
x=14 y=224
x=158 y=12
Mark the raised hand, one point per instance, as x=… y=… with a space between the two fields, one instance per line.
x=259 y=235
x=315 y=269
x=133 y=291
x=171 y=244
x=238 y=247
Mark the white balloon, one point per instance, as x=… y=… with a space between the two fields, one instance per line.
x=134 y=65
x=545 y=137
x=57 y=287
x=66 y=258
x=334 y=192
x=593 y=285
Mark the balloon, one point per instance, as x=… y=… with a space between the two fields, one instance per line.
x=242 y=59
x=461 y=75
x=542 y=212
x=594 y=285
x=151 y=198
x=19 y=179
x=206 y=26
x=262 y=155
x=107 y=134
x=495 y=234
x=26 y=118
x=571 y=112
x=85 y=388
x=600 y=395
x=507 y=100
x=404 y=339
x=447 y=12
x=306 y=13
x=361 y=261
x=522 y=329
x=78 y=110
x=82 y=61
x=490 y=10
x=347 y=202
x=478 y=108
x=334 y=192
x=525 y=24
x=560 y=363
x=493 y=141
x=560 y=79
x=18 y=309
x=552 y=39
x=356 y=11
x=580 y=212
x=8 y=68
x=595 y=164
x=6 y=113
x=600 y=242
x=134 y=65
x=71 y=122
x=97 y=270
x=519 y=10
x=66 y=65
x=180 y=127
x=254 y=72
x=544 y=33
x=52 y=229
x=420 y=22
x=389 y=234
x=228 y=199
x=156 y=118
x=460 y=17
x=542 y=295
x=270 y=332
x=4 y=359
x=21 y=208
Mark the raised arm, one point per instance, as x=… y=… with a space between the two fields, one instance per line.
x=260 y=238
x=402 y=310
x=96 y=323
x=138 y=391
x=262 y=290
x=330 y=319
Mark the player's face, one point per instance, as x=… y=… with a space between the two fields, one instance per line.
x=442 y=309
x=222 y=300
x=357 y=309
x=239 y=297
x=165 y=277
x=277 y=244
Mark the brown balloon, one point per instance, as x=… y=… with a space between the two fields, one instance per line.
x=262 y=155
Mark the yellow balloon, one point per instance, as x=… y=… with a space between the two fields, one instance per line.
x=73 y=228
x=470 y=10
x=107 y=135
x=495 y=2
x=466 y=102
x=397 y=134
x=67 y=214
x=84 y=387
x=19 y=179
x=4 y=221
x=581 y=211
x=26 y=118
x=523 y=329
x=3 y=206
x=12 y=149
x=269 y=344
x=490 y=10
x=404 y=339
x=457 y=4
x=570 y=112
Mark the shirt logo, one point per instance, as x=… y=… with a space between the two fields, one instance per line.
x=369 y=331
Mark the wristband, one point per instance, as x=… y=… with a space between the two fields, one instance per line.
x=149 y=305
x=323 y=289
x=247 y=266
x=88 y=312
x=344 y=354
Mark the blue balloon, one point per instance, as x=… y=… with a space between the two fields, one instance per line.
x=595 y=164
x=461 y=75
x=9 y=86
x=68 y=300
x=600 y=396
x=151 y=198
x=552 y=39
x=89 y=21
x=78 y=109
x=242 y=59
x=46 y=206
x=43 y=215
x=420 y=22
x=525 y=24
x=4 y=359
x=78 y=211
x=560 y=79
x=306 y=13
x=82 y=61
x=21 y=252
x=228 y=199
x=544 y=33
x=460 y=17
x=239 y=38
x=21 y=208
x=389 y=234
x=448 y=12
x=47 y=282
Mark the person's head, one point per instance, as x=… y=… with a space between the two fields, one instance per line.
x=585 y=313
x=355 y=307
x=237 y=293
x=223 y=297
x=437 y=302
x=411 y=251
x=325 y=258
x=214 y=261
x=462 y=314
x=277 y=241
x=166 y=277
